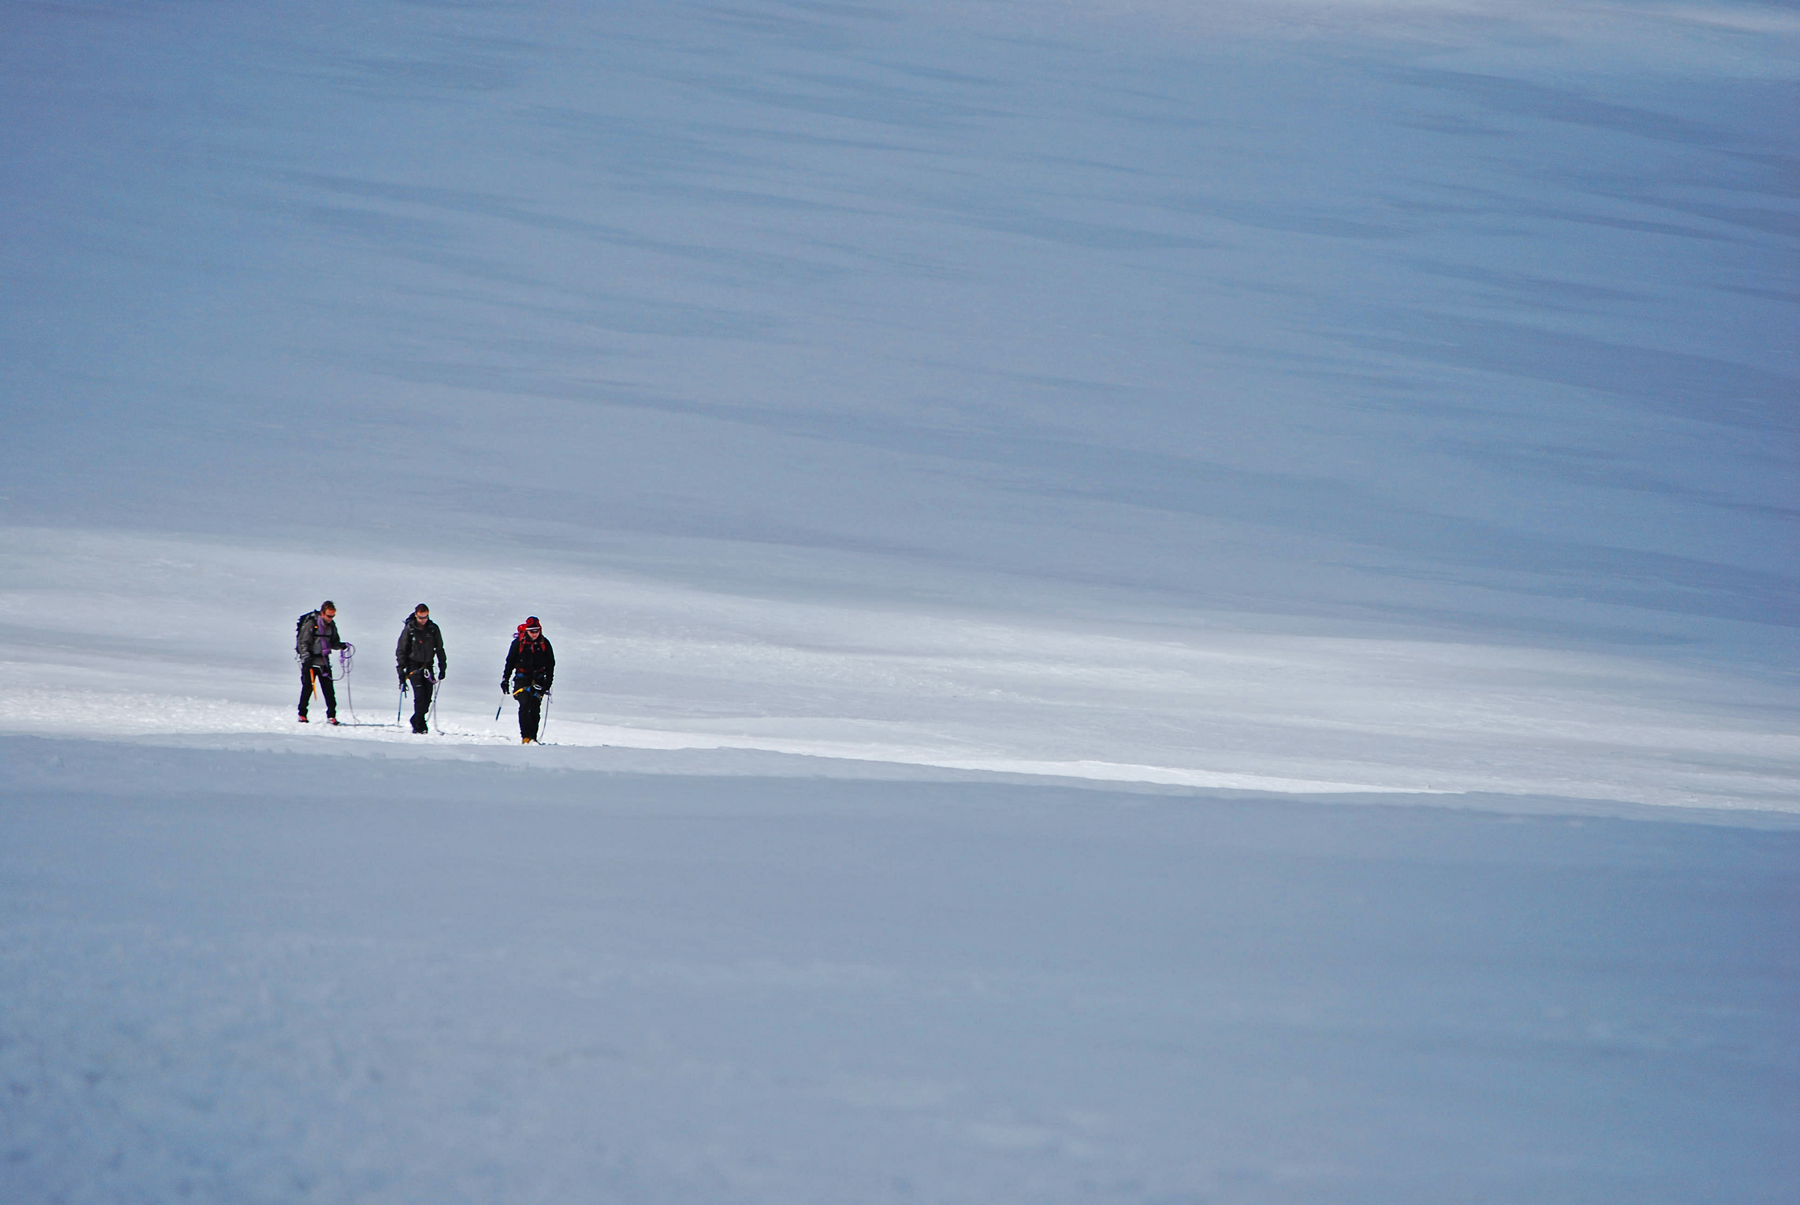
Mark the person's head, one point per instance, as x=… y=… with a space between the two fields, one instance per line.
x=531 y=626
x=421 y=614
x=328 y=608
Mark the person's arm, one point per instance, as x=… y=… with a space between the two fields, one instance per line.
x=401 y=649
x=303 y=638
x=337 y=640
x=512 y=656
x=549 y=664
x=443 y=661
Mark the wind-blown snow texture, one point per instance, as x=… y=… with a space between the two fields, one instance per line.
x=1406 y=403
x=895 y=410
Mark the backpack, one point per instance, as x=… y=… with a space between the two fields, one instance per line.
x=300 y=649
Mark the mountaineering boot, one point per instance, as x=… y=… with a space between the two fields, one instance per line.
x=303 y=719
x=525 y=740
x=332 y=720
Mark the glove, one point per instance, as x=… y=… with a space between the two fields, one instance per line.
x=401 y=671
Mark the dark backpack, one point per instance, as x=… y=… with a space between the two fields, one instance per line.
x=300 y=649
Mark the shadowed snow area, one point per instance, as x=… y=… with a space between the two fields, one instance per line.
x=238 y=975
x=1154 y=601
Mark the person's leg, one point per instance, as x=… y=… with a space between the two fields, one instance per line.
x=530 y=708
x=421 y=688
x=306 y=688
x=323 y=678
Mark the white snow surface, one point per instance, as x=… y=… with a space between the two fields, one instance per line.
x=1154 y=601
x=1211 y=700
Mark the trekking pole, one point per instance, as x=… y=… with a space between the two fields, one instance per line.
x=400 y=703
x=544 y=723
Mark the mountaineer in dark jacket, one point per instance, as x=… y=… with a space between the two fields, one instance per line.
x=315 y=637
x=421 y=644
x=530 y=671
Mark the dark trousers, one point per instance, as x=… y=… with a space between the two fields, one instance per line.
x=531 y=709
x=421 y=689
x=319 y=675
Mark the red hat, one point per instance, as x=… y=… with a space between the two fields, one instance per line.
x=531 y=621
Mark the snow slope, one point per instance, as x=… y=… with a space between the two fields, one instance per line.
x=237 y=976
x=1400 y=398
x=1141 y=694
x=1148 y=598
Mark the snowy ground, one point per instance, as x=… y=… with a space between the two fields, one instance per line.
x=1212 y=699
x=244 y=976
x=1155 y=602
